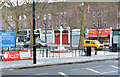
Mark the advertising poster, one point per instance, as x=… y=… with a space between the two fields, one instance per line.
x=16 y=55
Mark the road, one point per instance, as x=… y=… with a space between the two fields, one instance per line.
x=92 y=68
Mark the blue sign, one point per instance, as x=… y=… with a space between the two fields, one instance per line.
x=86 y=30
x=0 y=27
x=9 y=31
x=7 y=39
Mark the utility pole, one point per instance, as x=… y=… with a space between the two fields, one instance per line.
x=46 y=32
x=34 y=47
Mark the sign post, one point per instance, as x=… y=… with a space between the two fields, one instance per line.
x=7 y=39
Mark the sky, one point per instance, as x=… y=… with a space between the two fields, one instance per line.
x=21 y=1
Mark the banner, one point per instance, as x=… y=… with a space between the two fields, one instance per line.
x=16 y=55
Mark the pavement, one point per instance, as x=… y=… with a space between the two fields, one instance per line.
x=41 y=62
x=50 y=61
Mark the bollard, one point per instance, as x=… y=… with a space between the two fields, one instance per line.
x=72 y=52
x=53 y=53
x=47 y=53
x=95 y=52
x=75 y=52
x=79 y=52
x=88 y=53
x=43 y=53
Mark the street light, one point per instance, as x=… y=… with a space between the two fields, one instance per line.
x=34 y=47
x=45 y=20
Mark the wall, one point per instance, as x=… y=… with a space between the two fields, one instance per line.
x=50 y=36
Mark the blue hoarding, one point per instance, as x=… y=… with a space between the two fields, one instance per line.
x=7 y=39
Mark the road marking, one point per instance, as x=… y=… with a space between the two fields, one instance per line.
x=42 y=74
x=115 y=67
x=63 y=74
x=74 y=69
x=11 y=69
x=97 y=66
x=93 y=70
x=108 y=72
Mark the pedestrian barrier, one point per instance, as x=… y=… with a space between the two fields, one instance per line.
x=72 y=52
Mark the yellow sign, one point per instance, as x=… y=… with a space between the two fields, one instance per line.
x=99 y=31
x=52 y=28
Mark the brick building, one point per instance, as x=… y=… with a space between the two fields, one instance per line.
x=100 y=14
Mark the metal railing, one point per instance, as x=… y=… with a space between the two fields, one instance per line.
x=51 y=52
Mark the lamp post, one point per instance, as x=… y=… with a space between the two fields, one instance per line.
x=34 y=47
x=45 y=24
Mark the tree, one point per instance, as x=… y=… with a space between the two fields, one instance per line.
x=82 y=29
x=21 y=9
x=27 y=11
x=9 y=7
x=29 y=14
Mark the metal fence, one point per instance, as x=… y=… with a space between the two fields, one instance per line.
x=51 y=52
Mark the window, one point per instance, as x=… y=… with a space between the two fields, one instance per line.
x=88 y=9
x=25 y=26
x=99 y=14
x=19 y=17
x=105 y=13
x=37 y=24
x=13 y=17
x=61 y=24
x=37 y=15
x=97 y=42
x=93 y=13
x=92 y=42
x=99 y=24
x=25 y=9
x=65 y=14
x=74 y=26
x=8 y=27
x=93 y=24
x=118 y=15
x=57 y=15
x=65 y=24
x=24 y=16
x=105 y=24
x=50 y=26
x=61 y=15
x=13 y=25
x=44 y=25
x=3 y=20
x=3 y=27
x=49 y=16
x=74 y=13
x=57 y=25
x=81 y=13
x=88 y=42
x=8 y=18
x=118 y=25
x=20 y=26
x=44 y=17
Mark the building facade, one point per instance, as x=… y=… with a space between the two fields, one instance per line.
x=98 y=15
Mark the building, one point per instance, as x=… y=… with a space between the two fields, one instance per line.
x=99 y=15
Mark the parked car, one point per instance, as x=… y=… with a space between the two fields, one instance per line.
x=93 y=43
x=115 y=47
x=39 y=43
